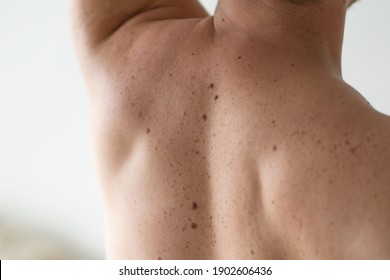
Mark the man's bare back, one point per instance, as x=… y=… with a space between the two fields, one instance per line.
x=216 y=142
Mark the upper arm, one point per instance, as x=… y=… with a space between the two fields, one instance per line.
x=95 y=21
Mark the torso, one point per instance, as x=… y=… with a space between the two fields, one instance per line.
x=207 y=149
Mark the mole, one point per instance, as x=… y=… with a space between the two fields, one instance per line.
x=148 y=130
x=204 y=116
x=211 y=86
x=252 y=252
x=159 y=258
x=194 y=205
x=275 y=147
x=194 y=226
x=239 y=57
x=216 y=97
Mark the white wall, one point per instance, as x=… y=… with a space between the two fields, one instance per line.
x=47 y=181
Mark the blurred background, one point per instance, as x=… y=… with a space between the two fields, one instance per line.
x=50 y=206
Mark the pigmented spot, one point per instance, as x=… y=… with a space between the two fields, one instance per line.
x=170 y=75
x=140 y=114
x=194 y=206
x=216 y=97
x=353 y=150
x=292 y=64
x=211 y=86
x=132 y=104
x=193 y=54
x=347 y=143
x=252 y=252
x=194 y=225
x=147 y=130
x=159 y=258
x=273 y=122
x=204 y=117
x=273 y=202
x=274 y=147
x=223 y=20
x=240 y=57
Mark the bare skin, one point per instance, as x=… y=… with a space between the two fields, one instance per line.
x=233 y=136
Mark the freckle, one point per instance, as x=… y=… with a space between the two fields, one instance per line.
x=211 y=217
x=211 y=86
x=193 y=53
x=353 y=150
x=292 y=64
x=252 y=252
x=181 y=205
x=132 y=104
x=140 y=114
x=223 y=20
x=197 y=152
x=159 y=258
x=273 y=202
x=216 y=97
x=180 y=174
x=204 y=116
x=133 y=77
x=194 y=226
x=347 y=142
x=275 y=148
x=170 y=75
x=239 y=57
x=319 y=142
x=194 y=205
x=275 y=80
x=273 y=122
x=148 y=130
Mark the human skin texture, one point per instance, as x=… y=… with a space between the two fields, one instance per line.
x=232 y=136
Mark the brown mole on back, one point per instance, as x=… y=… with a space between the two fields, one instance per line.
x=194 y=226
x=204 y=117
x=194 y=206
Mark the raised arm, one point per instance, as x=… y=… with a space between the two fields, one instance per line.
x=95 y=21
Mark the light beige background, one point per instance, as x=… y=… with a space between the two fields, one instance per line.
x=49 y=197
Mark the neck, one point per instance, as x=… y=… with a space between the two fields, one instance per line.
x=306 y=32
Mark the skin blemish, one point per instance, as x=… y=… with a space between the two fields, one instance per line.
x=204 y=117
x=216 y=97
x=170 y=75
x=347 y=143
x=240 y=57
x=273 y=122
x=159 y=258
x=194 y=206
x=147 y=130
x=132 y=104
x=223 y=20
x=274 y=147
x=194 y=225
x=193 y=53
x=211 y=86
x=252 y=252
x=140 y=114
x=292 y=64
